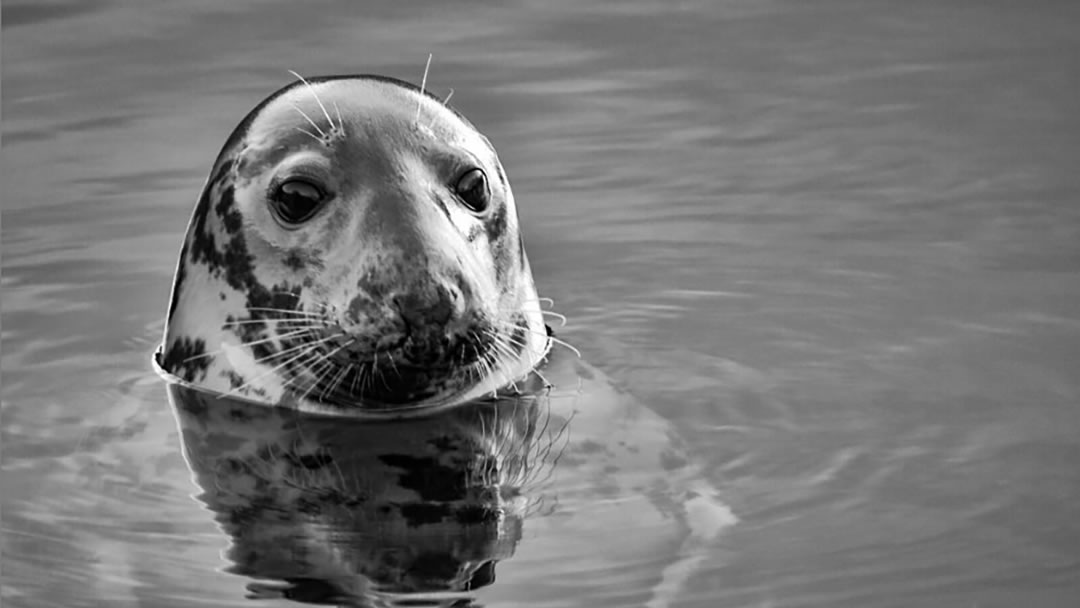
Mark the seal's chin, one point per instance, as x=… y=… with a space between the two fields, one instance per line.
x=410 y=374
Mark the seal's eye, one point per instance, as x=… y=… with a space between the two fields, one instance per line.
x=472 y=189
x=296 y=200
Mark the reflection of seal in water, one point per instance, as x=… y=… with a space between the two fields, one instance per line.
x=331 y=511
x=355 y=248
x=422 y=512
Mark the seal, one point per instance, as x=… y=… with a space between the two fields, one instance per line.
x=355 y=250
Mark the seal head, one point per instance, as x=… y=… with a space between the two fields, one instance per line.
x=355 y=248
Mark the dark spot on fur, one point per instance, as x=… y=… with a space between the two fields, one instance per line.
x=474 y=233
x=421 y=513
x=221 y=295
x=294 y=262
x=231 y=219
x=185 y=359
x=502 y=245
x=235 y=379
x=431 y=480
x=496 y=224
x=280 y=296
x=233 y=261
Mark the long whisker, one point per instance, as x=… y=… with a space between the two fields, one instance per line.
x=545 y=335
x=502 y=372
x=320 y=372
x=309 y=134
x=308 y=118
x=292 y=349
x=336 y=381
x=423 y=85
x=310 y=347
x=551 y=313
x=340 y=122
x=218 y=351
x=291 y=323
x=303 y=313
x=316 y=96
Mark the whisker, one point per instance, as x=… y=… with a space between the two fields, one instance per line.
x=423 y=85
x=448 y=96
x=272 y=370
x=547 y=383
x=328 y=367
x=302 y=113
x=498 y=347
x=316 y=96
x=218 y=351
x=292 y=323
x=320 y=371
x=309 y=134
x=340 y=122
x=289 y=334
x=292 y=349
x=304 y=313
x=551 y=313
x=555 y=340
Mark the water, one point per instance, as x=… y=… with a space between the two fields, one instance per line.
x=836 y=244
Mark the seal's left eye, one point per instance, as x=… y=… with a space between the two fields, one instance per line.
x=294 y=201
x=472 y=189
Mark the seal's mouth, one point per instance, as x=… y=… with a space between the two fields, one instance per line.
x=418 y=368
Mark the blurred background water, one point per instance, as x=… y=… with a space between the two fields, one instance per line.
x=836 y=243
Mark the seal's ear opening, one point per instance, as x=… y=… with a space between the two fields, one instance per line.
x=484 y=576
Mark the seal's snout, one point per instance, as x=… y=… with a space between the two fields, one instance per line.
x=437 y=309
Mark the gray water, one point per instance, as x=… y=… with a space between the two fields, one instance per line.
x=836 y=243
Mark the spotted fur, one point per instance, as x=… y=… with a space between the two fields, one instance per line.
x=393 y=295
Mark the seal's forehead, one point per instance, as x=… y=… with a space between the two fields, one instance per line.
x=359 y=103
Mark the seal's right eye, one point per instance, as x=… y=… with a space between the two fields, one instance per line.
x=294 y=201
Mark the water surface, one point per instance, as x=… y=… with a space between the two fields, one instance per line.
x=836 y=243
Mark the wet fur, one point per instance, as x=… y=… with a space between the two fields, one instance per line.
x=310 y=317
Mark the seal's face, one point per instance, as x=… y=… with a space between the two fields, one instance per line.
x=356 y=246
